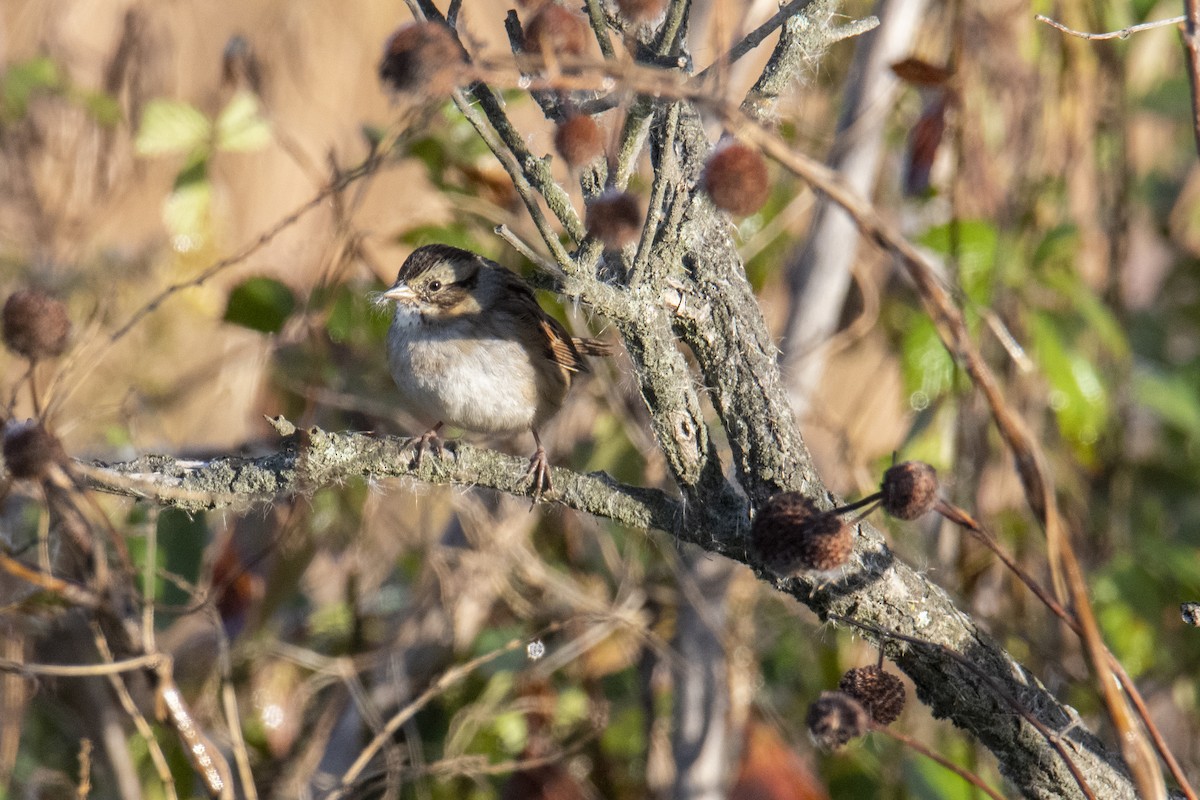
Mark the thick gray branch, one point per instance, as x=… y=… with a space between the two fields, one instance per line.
x=315 y=458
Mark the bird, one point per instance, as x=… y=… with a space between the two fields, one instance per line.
x=470 y=347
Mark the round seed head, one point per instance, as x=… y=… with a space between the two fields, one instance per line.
x=909 y=489
x=638 y=11
x=35 y=325
x=422 y=58
x=579 y=140
x=554 y=29
x=792 y=537
x=30 y=450
x=880 y=693
x=735 y=177
x=835 y=718
x=615 y=218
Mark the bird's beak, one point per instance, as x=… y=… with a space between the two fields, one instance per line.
x=400 y=293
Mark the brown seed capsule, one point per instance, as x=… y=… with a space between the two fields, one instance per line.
x=835 y=718
x=880 y=693
x=422 y=58
x=909 y=489
x=30 y=450
x=735 y=177
x=554 y=29
x=579 y=140
x=792 y=537
x=35 y=324
x=615 y=218
x=641 y=10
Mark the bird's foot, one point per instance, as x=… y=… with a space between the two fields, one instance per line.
x=429 y=439
x=539 y=473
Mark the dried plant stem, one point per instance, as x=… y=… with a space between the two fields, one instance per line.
x=1191 y=46
x=443 y=682
x=1052 y=737
x=157 y=757
x=84 y=788
x=1031 y=463
x=966 y=521
x=918 y=746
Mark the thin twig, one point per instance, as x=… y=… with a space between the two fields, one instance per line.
x=443 y=682
x=1124 y=33
x=148 y=661
x=960 y=517
x=1191 y=47
x=754 y=38
x=1051 y=737
x=915 y=744
x=157 y=757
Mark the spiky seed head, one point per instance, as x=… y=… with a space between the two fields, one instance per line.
x=422 y=58
x=735 y=177
x=579 y=139
x=792 y=537
x=775 y=532
x=30 y=450
x=615 y=218
x=35 y=324
x=638 y=11
x=554 y=29
x=909 y=489
x=835 y=718
x=881 y=693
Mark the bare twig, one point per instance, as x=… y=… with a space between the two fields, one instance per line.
x=1124 y=33
x=1052 y=737
x=918 y=746
x=1191 y=46
x=443 y=682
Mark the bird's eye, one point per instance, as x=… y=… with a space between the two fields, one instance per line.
x=435 y=285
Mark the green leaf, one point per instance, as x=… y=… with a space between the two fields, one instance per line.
x=1077 y=392
x=241 y=126
x=172 y=126
x=103 y=107
x=22 y=80
x=975 y=247
x=1172 y=398
x=261 y=304
x=926 y=365
x=186 y=210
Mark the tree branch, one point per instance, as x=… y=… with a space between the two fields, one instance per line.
x=314 y=459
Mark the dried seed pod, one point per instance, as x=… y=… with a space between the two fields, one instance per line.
x=880 y=693
x=735 y=177
x=554 y=29
x=835 y=718
x=909 y=489
x=422 y=58
x=579 y=140
x=615 y=218
x=30 y=450
x=793 y=537
x=35 y=325
x=638 y=11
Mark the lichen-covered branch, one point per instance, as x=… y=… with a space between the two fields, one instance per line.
x=313 y=459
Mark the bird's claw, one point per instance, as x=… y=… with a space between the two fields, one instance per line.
x=428 y=439
x=539 y=474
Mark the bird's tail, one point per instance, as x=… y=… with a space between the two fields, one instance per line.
x=593 y=347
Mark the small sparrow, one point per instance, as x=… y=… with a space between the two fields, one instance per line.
x=470 y=347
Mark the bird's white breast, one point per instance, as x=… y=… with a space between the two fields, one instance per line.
x=445 y=374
